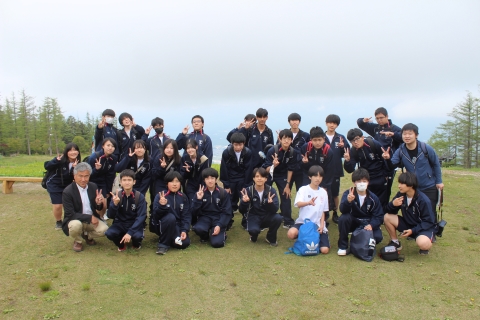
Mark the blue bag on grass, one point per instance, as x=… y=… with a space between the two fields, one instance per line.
x=308 y=242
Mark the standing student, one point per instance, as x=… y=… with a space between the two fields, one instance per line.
x=106 y=129
x=138 y=160
x=360 y=208
x=312 y=201
x=236 y=169
x=129 y=133
x=338 y=143
x=155 y=143
x=84 y=207
x=259 y=205
x=62 y=176
x=419 y=158
x=300 y=138
x=193 y=163
x=213 y=210
x=103 y=163
x=280 y=162
x=367 y=153
x=203 y=140
x=128 y=214
x=417 y=219
x=243 y=127
x=171 y=215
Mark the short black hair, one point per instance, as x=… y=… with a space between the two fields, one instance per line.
x=317 y=132
x=359 y=174
x=261 y=113
x=199 y=117
x=157 y=121
x=285 y=133
x=127 y=173
x=250 y=116
x=315 y=171
x=353 y=133
x=382 y=111
x=124 y=115
x=238 y=137
x=294 y=116
x=409 y=179
x=111 y=140
x=410 y=126
x=191 y=142
x=108 y=112
x=261 y=171
x=209 y=172
x=333 y=118
x=170 y=176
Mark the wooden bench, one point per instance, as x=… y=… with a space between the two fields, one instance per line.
x=9 y=181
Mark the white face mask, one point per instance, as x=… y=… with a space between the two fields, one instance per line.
x=361 y=186
x=108 y=120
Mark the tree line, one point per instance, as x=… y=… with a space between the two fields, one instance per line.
x=31 y=129
x=457 y=141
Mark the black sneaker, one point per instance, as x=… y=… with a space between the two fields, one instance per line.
x=203 y=241
x=253 y=238
x=335 y=217
x=423 y=252
x=58 y=225
x=273 y=244
x=396 y=245
x=162 y=250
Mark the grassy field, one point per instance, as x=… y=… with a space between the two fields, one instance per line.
x=241 y=281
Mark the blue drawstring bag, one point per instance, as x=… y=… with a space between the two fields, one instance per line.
x=308 y=242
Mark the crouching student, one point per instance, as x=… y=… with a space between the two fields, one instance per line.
x=213 y=210
x=171 y=215
x=259 y=205
x=312 y=201
x=417 y=219
x=128 y=209
x=359 y=207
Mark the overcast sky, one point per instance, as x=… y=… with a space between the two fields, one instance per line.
x=224 y=59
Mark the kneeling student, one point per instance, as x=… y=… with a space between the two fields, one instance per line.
x=128 y=209
x=213 y=210
x=359 y=207
x=312 y=201
x=259 y=205
x=417 y=219
x=171 y=215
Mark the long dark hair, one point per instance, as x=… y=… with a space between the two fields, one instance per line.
x=176 y=155
x=69 y=147
x=141 y=143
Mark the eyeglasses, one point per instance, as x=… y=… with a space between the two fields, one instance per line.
x=380 y=118
x=197 y=121
x=356 y=139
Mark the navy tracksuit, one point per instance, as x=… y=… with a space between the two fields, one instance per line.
x=236 y=174
x=214 y=209
x=155 y=144
x=108 y=131
x=289 y=161
x=170 y=220
x=203 y=140
x=192 y=178
x=142 y=174
x=62 y=177
x=354 y=216
x=337 y=160
x=301 y=139
x=127 y=218
x=136 y=133
x=256 y=142
x=104 y=176
x=374 y=163
x=260 y=214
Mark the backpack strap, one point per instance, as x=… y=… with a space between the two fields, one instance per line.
x=137 y=198
x=371 y=144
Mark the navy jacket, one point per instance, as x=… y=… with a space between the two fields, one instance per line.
x=142 y=176
x=178 y=205
x=256 y=142
x=128 y=213
x=368 y=159
x=62 y=176
x=337 y=153
x=257 y=207
x=214 y=206
x=154 y=144
x=322 y=157
x=203 y=140
x=418 y=214
x=158 y=173
x=300 y=140
x=194 y=177
x=371 y=208
x=105 y=176
x=374 y=130
x=232 y=169
x=108 y=131
x=289 y=161
x=427 y=170
x=136 y=133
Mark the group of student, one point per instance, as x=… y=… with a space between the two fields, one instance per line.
x=255 y=161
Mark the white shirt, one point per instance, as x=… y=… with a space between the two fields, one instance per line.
x=139 y=162
x=238 y=155
x=362 y=199
x=409 y=200
x=314 y=213
x=85 y=201
x=330 y=138
x=260 y=195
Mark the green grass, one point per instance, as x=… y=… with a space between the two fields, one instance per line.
x=241 y=281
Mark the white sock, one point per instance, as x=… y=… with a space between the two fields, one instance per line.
x=396 y=241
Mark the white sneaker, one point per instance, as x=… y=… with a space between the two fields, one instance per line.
x=342 y=252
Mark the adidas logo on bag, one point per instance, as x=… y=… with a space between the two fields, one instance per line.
x=311 y=247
